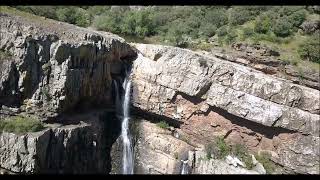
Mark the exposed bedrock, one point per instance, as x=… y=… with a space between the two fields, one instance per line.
x=54 y=66
x=212 y=97
x=79 y=146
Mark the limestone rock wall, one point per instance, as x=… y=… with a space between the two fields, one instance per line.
x=77 y=148
x=268 y=113
x=157 y=151
x=53 y=65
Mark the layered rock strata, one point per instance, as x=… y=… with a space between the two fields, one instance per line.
x=212 y=97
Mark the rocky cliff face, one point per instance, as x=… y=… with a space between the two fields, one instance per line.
x=79 y=147
x=54 y=66
x=60 y=73
x=210 y=97
x=56 y=71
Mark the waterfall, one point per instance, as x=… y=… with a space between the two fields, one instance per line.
x=185 y=167
x=123 y=114
x=127 y=159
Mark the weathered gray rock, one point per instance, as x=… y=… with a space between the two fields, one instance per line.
x=301 y=155
x=240 y=90
x=203 y=165
x=55 y=65
x=9 y=93
x=269 y=65
x=75 y=148
x=258 y=49
x=178 y=83
x=158 y=152
x=310 y=27
x=259 y=168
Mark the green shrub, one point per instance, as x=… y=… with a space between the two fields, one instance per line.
x=262 y=24
x=231 y=37
x=301 y=74
x=208 y=30
x=45 y=11
x=222 y=31
x=289 y=10
x=138 y=23
x=297 y=17
x=98 y=10
x=240 y=15
x=295 y=63
x=19 y=124
x=282 y=27
x=163 y=125
x=247 y=159
x=209 y=148
x=82 y=17
x=204 y=46
x=107 y=23
x=74 y=15
x=310 y=49
x=265 y=159
x=241 y=152
x=247 y=32
x=217 y=17
x=223 y=148
x=218 y=148
x=176 y=35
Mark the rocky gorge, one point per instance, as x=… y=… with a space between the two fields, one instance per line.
x=64 y=75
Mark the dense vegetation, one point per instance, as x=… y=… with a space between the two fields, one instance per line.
x=19 y=124
x=195 y=26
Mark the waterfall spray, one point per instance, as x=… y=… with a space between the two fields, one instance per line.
x=185 y=167
x=127 y=159
x=122 y=110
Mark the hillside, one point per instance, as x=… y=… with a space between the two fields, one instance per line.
x=75 y=100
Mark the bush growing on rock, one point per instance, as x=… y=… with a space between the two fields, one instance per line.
x=163 y=125
x=218 y=148
x=241 y=152
x=19 y=124
x=265 y=159
x=224 y=148
x=210 y=149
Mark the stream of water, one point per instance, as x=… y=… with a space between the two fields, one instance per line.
x=185 y=167
x=123 y=106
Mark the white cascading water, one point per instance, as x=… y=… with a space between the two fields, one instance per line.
x=184 y=167
x=127 y=152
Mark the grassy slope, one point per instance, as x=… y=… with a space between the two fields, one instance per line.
x=287 y=47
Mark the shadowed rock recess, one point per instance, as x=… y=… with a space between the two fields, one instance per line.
x=181 y=101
